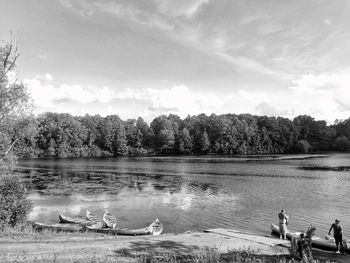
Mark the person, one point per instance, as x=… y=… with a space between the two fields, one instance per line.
x=304 y=248
x=338 y=235
x=283 y=222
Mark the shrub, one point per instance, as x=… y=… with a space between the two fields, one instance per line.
x=14 y=207
x=342 y=144
x=302 y=146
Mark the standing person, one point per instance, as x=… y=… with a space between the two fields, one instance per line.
x=338 y=235
x=304 y=248
x=283 y=222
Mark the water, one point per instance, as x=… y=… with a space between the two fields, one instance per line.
x=194 y=193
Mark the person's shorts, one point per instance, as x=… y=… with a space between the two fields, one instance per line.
x=338 y=240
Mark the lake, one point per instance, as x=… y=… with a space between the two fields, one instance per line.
x=195 y=193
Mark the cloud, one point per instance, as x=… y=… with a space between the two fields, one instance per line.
x=42 y=56
x=324 y=96
x=185 y=8
x=327 y=21
x=334 y=86
x=146 y=102
x=45 y=94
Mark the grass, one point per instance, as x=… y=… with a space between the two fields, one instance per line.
x=209 y=255
x=27 y=233
x=212 y=256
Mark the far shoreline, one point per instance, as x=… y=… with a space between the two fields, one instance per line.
x=272 y=156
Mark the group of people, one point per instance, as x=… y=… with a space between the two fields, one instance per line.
x=337 y=230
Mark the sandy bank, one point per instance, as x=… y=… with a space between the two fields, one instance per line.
x=65 y=249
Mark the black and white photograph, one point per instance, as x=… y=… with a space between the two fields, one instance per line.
x=173 y=131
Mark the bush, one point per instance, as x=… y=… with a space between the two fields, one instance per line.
x=14 y=207
x=302 y=146
x=342 y=144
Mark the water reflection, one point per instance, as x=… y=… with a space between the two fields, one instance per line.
x=189 y=195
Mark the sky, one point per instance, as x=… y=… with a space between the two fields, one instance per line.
x=144 y=58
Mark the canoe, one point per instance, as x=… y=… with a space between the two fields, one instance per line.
x=80 y=221
x=110 y=220
x=92 y=217
x=59 y=227
x=156 y=228
x=317 y=242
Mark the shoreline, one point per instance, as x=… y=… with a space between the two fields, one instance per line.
x=63 y=247
x=68 y=246
x=268 y=156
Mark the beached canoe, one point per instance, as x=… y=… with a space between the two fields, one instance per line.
x=317 y=242
x=110 y=220
x=72 y=220
x=156 y=228
x=92 y=217
x=59 y=227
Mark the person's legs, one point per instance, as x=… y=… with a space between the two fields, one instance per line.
x=284 y=231
x=281 y=230
x=337 y=243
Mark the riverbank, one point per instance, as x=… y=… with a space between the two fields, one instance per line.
x=84 y=247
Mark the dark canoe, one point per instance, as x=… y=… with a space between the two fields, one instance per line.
x=156 y=228
x=79 y=221
x=317 y=242
x=59 y=227
x=110 y=220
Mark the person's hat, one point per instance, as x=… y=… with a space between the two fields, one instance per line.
x=337 y=220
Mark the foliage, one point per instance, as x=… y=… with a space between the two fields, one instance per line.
x=342 y=144
x=16 y=130
x=302 y=146
x=63 y=135
x=14 y=206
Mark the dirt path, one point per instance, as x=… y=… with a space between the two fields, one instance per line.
x=74 y=250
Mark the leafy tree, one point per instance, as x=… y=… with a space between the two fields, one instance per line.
x=113 y=132
x=343 y=128
x=14 y=206
x=185 y=142
x=94 y=140
x=342 y=144
x=302 y=146
x=13 y=98
x=205 y=143
x=164 y=134
x=146 y=133
x=13 y=95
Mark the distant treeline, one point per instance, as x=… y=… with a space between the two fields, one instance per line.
x=64 y=135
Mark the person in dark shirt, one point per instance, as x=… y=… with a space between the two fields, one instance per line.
x=338 y=235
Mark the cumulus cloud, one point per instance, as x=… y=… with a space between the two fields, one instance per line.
x=46 y=95
x=150 y=102
x=324 y=96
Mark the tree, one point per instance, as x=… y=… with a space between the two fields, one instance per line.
x=13 y=99
x=14 y=206
x=302 y=146
x=13 y=95
x=164 y=135
x=185 y=142
x=342 y=144
x=204 y=142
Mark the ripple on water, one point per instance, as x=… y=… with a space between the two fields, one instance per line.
x=193 y=193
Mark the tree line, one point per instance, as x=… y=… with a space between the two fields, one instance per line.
x=63 y=135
